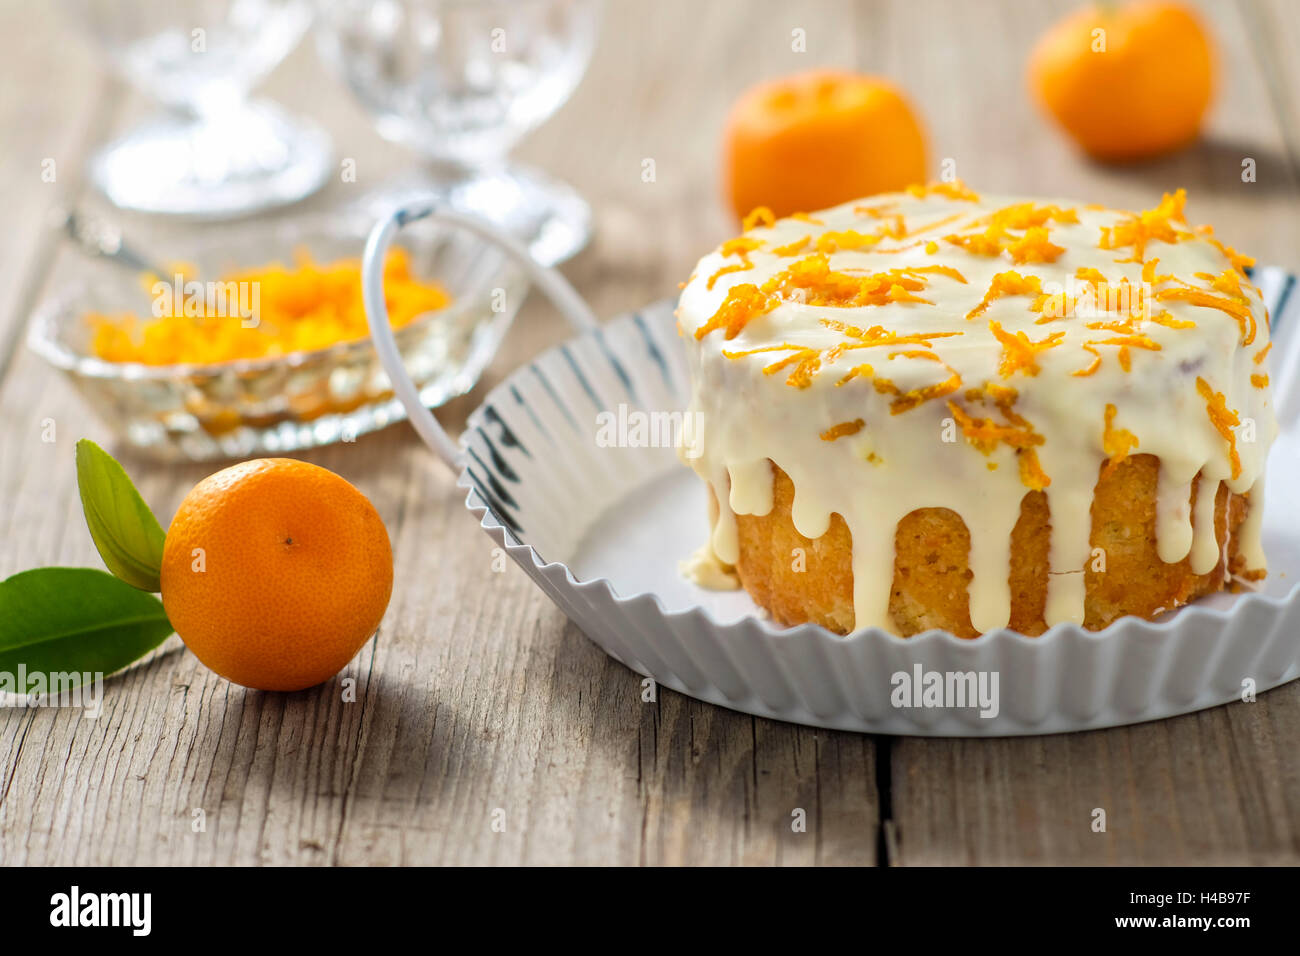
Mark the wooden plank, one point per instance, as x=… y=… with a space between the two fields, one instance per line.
x=1221 y=787
x=1274 y=31
x=1215 y=787
x=477 y=694
x=47 y=128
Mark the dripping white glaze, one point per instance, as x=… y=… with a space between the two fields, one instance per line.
x=1205 y=543
x=1250 y=546
x=1174 y=531
x=704 y=568
x=899 y=463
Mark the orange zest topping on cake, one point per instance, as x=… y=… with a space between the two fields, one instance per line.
x=1224 y=420
x=726 y=270
x=843 y=429
x=1127 y=301
x=1169 y=322
x=848 y=240
x=937 y=270
x=987 y=243
x=740 y=246
x=1053 y=306
x=1151 y=224
x=793 y=248
x=1149 y=273
x=907 y=400
x=1236 y=260
x=894 y=227
x=986 y=434
x=1117 y=306
x=875 y=212
x=806 y=361
x=1125 y=343
x=1007 y=284
x=1027 y=215
x=744 y=303
x=1090 y=369
x=1115 y=442
x=811 y=281
x=1034 y=246
x=878 y=335
x=1019 y=352
x=1032 y=475
x=1233 y=301
x=759 y=216
x=809 y=361
x=953 y=190
x=934 y=225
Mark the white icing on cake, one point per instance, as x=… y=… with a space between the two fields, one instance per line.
x=913 y=453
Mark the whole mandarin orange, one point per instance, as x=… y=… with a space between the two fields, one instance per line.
x=275 y=572
x=1126 y=82
x=814 y=140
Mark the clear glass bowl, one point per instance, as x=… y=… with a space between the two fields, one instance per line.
x=272 y=405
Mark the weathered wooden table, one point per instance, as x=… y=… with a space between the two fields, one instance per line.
x=477 y=695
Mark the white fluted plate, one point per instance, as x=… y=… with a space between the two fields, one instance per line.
x=601 y=528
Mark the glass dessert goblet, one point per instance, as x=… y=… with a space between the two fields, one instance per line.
x=460 y=82
x=213 y=154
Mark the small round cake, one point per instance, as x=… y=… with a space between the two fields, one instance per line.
x=935 y=409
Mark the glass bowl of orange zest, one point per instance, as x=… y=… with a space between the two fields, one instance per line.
x=256 y=342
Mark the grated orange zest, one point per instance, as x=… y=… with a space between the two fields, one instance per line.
x=1007 y=284
x=1034 y=246
x=843 y=429
x=1150 y=224
x=1223 y=419
x=952 y=190
x=744 y=303
x=793 y=248
x=1238 y=308
x=1115 y=442
x=1092 y=368
x=299 y=308
x=725 y=270
x=1019 y=352
x=759 y=216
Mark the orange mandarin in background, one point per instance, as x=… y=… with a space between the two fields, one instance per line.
x=1126 y=82
x=805 y=142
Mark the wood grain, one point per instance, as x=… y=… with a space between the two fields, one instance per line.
x=476 y=695
x=1215 y=787
x=477 y=702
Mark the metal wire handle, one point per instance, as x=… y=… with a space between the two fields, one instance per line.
x=557 y=288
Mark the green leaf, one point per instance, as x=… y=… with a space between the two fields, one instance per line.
x=74 y=621
x=128 y=536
